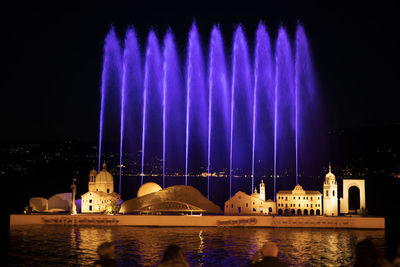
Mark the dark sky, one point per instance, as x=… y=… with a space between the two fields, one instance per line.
x=53 y=57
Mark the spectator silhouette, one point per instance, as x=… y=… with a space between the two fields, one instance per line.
x=106 y=253
x=174 y=256
x=368 y=255
x=267 y=256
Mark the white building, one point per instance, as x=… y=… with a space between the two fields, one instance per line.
x=255 y=204
x=330 y=194
x=299 y=202
x=101 y=192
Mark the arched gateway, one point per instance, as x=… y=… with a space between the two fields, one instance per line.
x=347 y=184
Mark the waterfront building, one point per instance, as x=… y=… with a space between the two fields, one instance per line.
x=254 y=204
x=101 y=192
x=299 y=202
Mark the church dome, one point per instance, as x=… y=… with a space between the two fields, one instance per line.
x=148 y=188
x=104 y=177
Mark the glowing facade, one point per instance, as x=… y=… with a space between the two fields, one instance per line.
x=299 y=202
x=255 y=204
x=101 y=192
x=330 y=194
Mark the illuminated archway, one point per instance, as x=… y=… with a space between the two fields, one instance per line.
x=347 y=184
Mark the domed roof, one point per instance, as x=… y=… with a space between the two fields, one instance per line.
x=148 y=188
x=173 y=199
x=330 y=175
x=104 y=176
x=93 y=172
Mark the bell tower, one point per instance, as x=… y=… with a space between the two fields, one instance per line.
x=262 y=190
x=92 y=180
x=330 y=196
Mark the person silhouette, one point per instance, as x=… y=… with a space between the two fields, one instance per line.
x=174 y=256
x=267 y=256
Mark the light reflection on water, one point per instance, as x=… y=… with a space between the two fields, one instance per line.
x=76 y=245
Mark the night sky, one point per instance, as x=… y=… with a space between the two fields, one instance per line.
x=53 y=58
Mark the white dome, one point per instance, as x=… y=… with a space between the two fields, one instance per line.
x=104 y=177
x=329 y=176
x=148 y=188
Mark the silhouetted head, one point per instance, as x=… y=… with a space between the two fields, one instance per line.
x=269 y=249
x=174 y=254
x=106 y=250
x=367 y=254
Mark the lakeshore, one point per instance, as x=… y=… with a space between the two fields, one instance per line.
x=344 y=222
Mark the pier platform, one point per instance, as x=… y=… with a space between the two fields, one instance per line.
x=201 y=221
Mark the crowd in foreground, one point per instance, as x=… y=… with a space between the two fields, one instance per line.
x=367 y=255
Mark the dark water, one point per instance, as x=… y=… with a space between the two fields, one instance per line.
x=76 y=245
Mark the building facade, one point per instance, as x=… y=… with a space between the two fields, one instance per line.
x=254 y=204
x=299 y=202
x=330 y=194
x=101 y=192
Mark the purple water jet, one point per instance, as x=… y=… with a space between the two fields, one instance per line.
x=254 y=122
x=218 y=107
x=196 y=104
x=241 y=111
x=263 y=109
x=174 y=109
x=110 y=91
x=131 y=100
x=284 y=137
x=152 y=103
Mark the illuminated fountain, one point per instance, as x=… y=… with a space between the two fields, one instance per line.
x=243 y=114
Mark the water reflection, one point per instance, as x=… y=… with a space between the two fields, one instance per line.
x=77 y=245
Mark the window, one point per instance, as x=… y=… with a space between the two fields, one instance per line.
x=254 y=209
x=239 y=209
x=90 y=207
x=333 y=193
x=261 y=210
x=108 y=191
x=247 y=204
x=286 y=198
x=90 y=201
x=311 y=198
x=299 y=197
x=232 y=205
x=327 y=193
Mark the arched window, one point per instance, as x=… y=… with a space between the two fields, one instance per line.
x=333 y=193
x=327 y=193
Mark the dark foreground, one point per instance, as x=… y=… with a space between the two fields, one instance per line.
x=47 y=245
